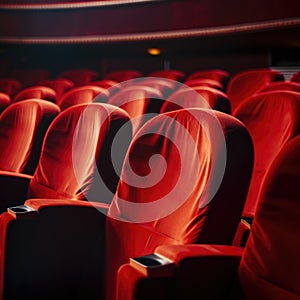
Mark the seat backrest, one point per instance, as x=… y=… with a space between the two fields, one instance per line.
x=123 y=75
x=221 y=76
x=204 y=82
x=272 y=118
x=201 y=97
x=37 y=92
x=77 y=142
x=169 y=74
x=4 y=101
x=295 y=77
x=81 y=95
x=184 y=180
x=246 y=83
x=22 y=129
x=270 y=266
x=140 y=102
x=284 y=85
x=10 y=86
x=79 y=76
x=59 y=85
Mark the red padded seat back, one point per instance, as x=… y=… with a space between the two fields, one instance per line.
x=214 y=74
x=201 y=97
x=270 y=265
x=169 y=74
x=79 y=76
x=140 y=102
x=166 y=194
x=22 y=129
x=246 y=83
x=59 y=85
x=66 y=172
x=204 y=82
x=123 y=75
x=295 y=77
x=10 y=86
x=272 y=118
x=81 y=95
x=284 y=85
x=4 y=101
x=37 y=92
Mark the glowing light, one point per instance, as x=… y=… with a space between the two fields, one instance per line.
x=153 y=51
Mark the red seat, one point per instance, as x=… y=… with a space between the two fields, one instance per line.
x=29 y=76
x=79 y=76
x=246 y=83
x=214 y=74
x=10 y=86
x=285 y=86
x=22 y=129
x=82 y=94
x=59 y=85
x=269 y=267
x=38 y=92
x=295 y=77
x=122 y=75
x=204 y=82
x=272 y=118
x=169 y=74
x=201 y=97
x=140 y=102
x=112 y=85
x=4 y=101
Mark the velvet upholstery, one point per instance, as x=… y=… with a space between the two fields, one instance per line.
x=10 y=86
x=220 y=76
x=204 y=82
x=285 y=86
x=23 y=126
x=79 y=76
x=177 y=208
x=4 y=101
x=37 y=92
x=59 y=85
x=272 y=118
x=248 y=82
x=176 y=75
x=122 y=75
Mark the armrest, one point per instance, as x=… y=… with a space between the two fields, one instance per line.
x=14 y=188
x=58 y=251
x=201 y=271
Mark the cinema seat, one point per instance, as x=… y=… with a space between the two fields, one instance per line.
x=295 y=77
x=122 y=75
x=176 y=75
x=10 y=86
x=246 y=83
x=81 y=95
x=201 y=97
x=112 y=85
x=204 y=82
x=37 y=92
x=4 y=101
x=79 y=76
x=214 y=74
x=29 y=76
x=268 y=267
x=272 y=118
x=140 y=102
x=22 y=129
x=285 y=86
x=59 y=85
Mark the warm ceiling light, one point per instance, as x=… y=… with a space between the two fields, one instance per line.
x=153 y=51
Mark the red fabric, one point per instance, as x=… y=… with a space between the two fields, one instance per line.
x=272 y=118
x=201 y=97
x=80 y=95
x=112 y=85
x=195 y=220
x=246 y=83
x=79 y=76
x=59 y=85
x=22 y=129
x=170 y=74
x=56 y=177
x=122 y=75
x=285 y=86
x=204 y=82
x=139 y=102
x=4 y=101
x=37 y=92
x=214 y=74
x=30 y=76
x=270 y=268
x=295 y=77
x=10 y=86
